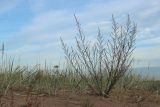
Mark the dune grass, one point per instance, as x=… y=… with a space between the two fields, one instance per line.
x=53 y=81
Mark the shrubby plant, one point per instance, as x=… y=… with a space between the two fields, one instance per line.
x=103 y=62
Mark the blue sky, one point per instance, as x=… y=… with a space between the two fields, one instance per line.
x=30 y=29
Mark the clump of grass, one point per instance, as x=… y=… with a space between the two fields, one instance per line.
x=152 y=85
x=130 y=81
x=52 y=81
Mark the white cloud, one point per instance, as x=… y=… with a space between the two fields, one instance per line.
x=150 y=8
x=43 y=32
x=93 y=15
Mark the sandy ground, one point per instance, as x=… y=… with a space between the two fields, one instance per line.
x=77 y=101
